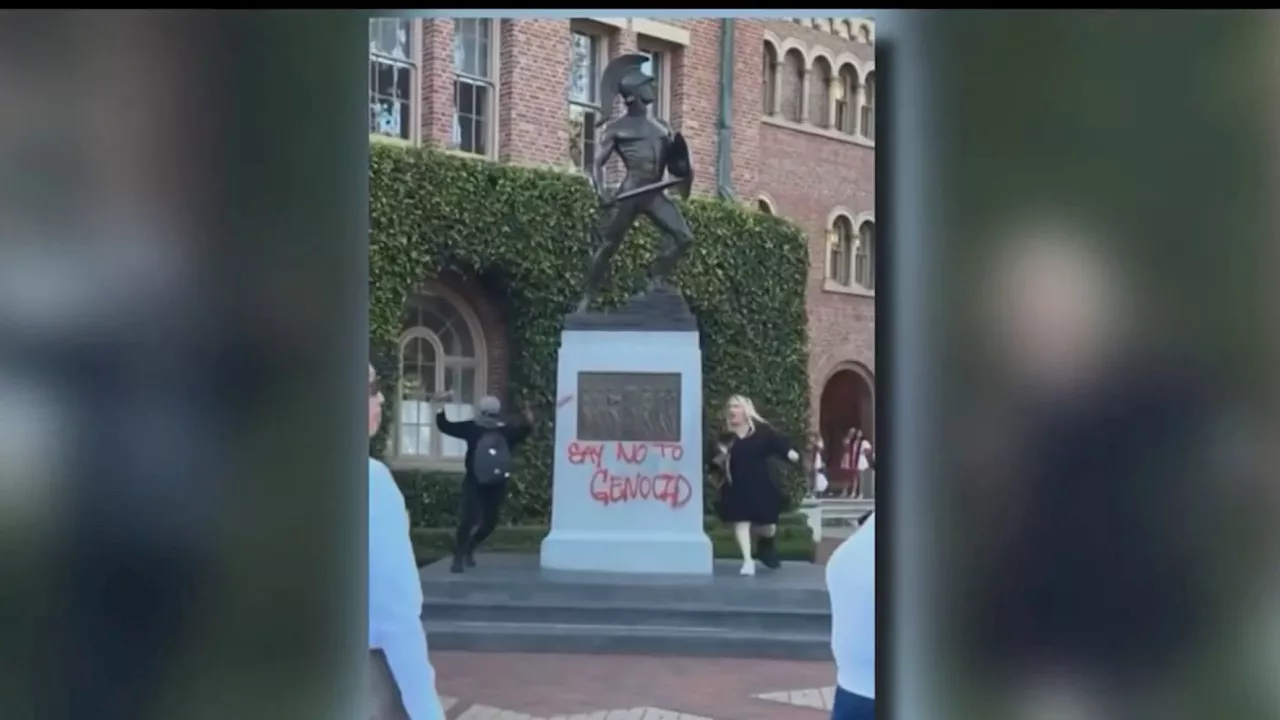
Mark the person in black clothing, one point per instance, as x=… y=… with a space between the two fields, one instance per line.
x=481 y=501
x=1098 y=605
x=749 y=497
x=490 y=444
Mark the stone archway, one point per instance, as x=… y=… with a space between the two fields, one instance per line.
x=847 y=400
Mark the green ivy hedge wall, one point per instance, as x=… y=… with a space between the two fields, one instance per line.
x=521 y=234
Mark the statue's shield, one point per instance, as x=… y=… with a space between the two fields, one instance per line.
x=679 y=164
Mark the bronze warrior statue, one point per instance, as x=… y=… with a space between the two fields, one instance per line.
x=649 y=151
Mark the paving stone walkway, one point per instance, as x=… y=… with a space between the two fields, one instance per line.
x=518 y=686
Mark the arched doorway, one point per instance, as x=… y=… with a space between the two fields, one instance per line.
x=847 y=401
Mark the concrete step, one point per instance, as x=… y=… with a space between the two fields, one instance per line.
x=482 y=608
x=622 y=639
x=768 y=589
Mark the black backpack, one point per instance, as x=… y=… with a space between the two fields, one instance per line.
x=492 y=460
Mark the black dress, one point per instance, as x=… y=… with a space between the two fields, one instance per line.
x=749 y=492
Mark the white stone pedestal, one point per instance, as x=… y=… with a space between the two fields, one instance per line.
x=628 y=504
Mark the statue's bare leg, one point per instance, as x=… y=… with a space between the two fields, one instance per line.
x=613 y=231
x=677 y=237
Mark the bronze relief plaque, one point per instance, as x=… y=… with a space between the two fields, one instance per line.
x=629 y=407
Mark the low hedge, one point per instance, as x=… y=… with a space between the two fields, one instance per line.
x=795 y=540
x=433 y=500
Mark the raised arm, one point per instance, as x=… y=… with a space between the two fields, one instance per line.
x=445 y=425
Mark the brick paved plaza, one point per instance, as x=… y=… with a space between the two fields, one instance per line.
x=513 y=686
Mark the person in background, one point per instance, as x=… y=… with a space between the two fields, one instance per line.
x=1092 y=609
x=867 y=469
x=855 y=462
x=491 y=444
x=851 y=584
x=749 y=496
x=403 y=683
x=818 y=467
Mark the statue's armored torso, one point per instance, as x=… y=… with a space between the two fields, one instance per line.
x=642 y=143
x=647 y=146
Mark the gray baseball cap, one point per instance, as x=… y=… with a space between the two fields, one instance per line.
x=489 y=405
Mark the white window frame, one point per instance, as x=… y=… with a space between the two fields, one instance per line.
x=665 y=56
x=864 y=256
x=846 y=95
x=414 y=64
x=840 y=251
x=769 y=70
x=460 y=77
x=602 y=38
x=460 y=408
x=867 y=112
x=822 y=117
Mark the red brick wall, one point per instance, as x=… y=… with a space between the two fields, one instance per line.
x=806 y=175
x=437 y=82
x=534 y=124
x=747 y=99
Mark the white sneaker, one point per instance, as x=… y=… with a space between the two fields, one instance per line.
x=748 y=567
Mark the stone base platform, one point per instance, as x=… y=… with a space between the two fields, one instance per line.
x=510 y=604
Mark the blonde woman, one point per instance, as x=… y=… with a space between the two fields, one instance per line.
x=749 y=496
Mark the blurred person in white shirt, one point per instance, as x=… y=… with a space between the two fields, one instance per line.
x=403 y=681
x=818 y=467
x=851 y=584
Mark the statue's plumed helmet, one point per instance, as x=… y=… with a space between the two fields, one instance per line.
x=631 y=83
x=623 y=76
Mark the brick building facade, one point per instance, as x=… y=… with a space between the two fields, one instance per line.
x=801 y=145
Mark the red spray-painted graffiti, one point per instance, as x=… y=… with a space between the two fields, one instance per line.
x=609 y=486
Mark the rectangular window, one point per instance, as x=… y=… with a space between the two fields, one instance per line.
x=473 y=85
x=393 y=78
x=869 y=107
x=659 y=68
x=587 y=55
x=769 y=77
x=865 y=257
x=840 y=83
x=838 y=263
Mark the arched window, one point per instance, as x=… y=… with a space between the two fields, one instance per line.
x=846 y=93
x=441 y=350
x=869 y=107
x=820 y=93
x=763 y=206
x=840 y=241
x=864 y=262
x=770 y=78
x=793 y=85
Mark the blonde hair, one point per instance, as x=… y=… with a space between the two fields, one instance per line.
x=748 y=409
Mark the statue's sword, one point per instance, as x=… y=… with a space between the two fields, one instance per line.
x=646 y=189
